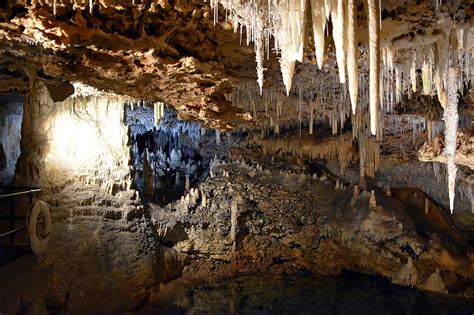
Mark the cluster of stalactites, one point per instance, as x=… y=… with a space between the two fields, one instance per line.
x=316 y=101
x=285 y=22
x=425 y=69
x=444 y=66
x=82 y=5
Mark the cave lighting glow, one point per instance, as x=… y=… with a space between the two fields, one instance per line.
x=74 y=142
x=87 y=133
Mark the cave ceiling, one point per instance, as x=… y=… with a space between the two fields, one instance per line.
x=172 y=51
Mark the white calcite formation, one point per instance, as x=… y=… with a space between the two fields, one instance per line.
x=451 y=122
x=352 y=54
x=81 y=139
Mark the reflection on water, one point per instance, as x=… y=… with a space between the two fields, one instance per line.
x=303 y=294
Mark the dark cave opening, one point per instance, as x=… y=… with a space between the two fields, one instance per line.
x=11 y=115
x=171 y=156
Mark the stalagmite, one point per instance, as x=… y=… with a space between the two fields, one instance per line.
x=147 y=175
x=356 y=192
x=472 y=198
x=218 y=136
x=233 y=220
x=372 y=201
x=187 y=185
x=352 y=54
x=374 y=61
x=319 y=25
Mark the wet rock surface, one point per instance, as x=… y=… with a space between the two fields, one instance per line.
x=301 y=294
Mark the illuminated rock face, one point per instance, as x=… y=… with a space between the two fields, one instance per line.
x=88 y=136
x=82 y=139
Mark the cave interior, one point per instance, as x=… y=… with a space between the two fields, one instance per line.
x=236 y=156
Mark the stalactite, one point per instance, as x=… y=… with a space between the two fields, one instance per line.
x=451 y=119
x=369 y=155
x=158 y=111
x=338 y=34
x=440 y=73
x=374 y=60
x=328 y=8
x=290 y=38
x=413 y=74
x=287 y=68
x=352 y=53
x=259 y=56
x=319 y=25
x=426 y=78
x=336 y=147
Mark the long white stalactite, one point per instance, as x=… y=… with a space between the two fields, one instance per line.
x=259 y=57
x=352 y=54
x=374 y=60
x=339 y=34
x=451 y=119
x=291 y=39
x=319 y=26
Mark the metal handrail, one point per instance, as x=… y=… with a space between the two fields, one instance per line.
x=12 y=232
x=13 y=192
x=19 y=193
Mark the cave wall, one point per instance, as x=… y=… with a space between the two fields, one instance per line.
x=11 y=111
x=101 y=245
x=82 y=139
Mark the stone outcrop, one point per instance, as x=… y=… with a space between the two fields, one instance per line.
x=284 y=224
x=433 y=151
